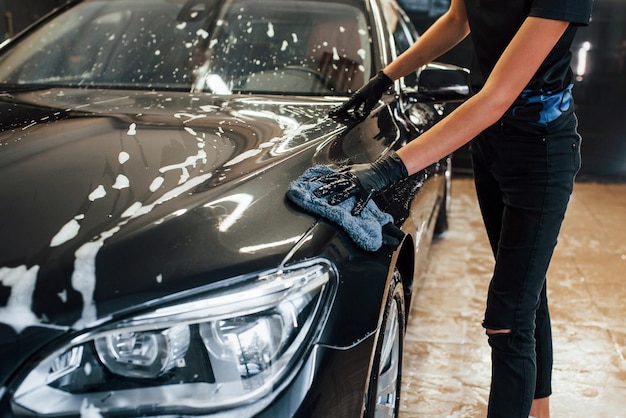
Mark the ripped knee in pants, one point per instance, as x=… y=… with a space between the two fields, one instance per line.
x=498 y=331
x=520 y=342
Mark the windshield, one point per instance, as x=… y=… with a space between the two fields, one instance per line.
x=221 y=46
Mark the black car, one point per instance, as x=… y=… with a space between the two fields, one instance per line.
x=150 y=262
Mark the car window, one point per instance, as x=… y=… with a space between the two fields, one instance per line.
x=431 y=8
x=273 y=46
x=404 y=34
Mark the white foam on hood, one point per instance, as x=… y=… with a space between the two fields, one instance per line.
x=89 y=410
x=17 y=312
x=191 y=161
x=66 y=233
x=121 y=182
x=156 y=184
x=98 y=193
x=84 y=279
x=84 y=275
x=190 y=131
x=123 y=157
x=21 y=280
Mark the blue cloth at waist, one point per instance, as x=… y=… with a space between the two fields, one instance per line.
x=541 y=108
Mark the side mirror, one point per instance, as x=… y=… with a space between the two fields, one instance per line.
x=442 y=82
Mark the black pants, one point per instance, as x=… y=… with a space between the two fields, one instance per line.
x=523 y=183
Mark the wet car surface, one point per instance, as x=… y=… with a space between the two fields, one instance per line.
x=150 y=263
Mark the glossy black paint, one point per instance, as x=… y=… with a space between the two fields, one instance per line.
x=151 y=243
x=55 y=165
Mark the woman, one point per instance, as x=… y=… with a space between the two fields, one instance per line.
x=525 y=155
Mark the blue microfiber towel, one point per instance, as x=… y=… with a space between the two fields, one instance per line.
x=366 y=230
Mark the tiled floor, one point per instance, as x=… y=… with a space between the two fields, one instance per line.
x=446 y=360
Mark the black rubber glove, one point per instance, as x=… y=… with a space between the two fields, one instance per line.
x=363 y=101
x=362 y=181
x=392 y=235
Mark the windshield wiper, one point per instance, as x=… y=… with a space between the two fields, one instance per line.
x=9 y=89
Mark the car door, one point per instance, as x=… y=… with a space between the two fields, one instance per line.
x=411 y=118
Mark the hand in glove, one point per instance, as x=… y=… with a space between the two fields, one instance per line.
x=362 y=181
x=363 y=101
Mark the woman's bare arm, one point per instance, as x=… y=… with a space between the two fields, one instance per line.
x=513 y=71
x=450 y=29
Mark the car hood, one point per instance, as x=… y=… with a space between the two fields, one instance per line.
x=114 y=199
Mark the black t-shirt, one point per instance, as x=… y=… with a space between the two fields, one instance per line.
x=493 y=24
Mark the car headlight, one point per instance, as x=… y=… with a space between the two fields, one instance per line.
x=227 y=348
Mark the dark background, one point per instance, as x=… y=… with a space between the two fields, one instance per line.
x=15 y=15
x=599 y=64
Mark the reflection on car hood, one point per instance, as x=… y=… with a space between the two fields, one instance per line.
x=113 y=199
